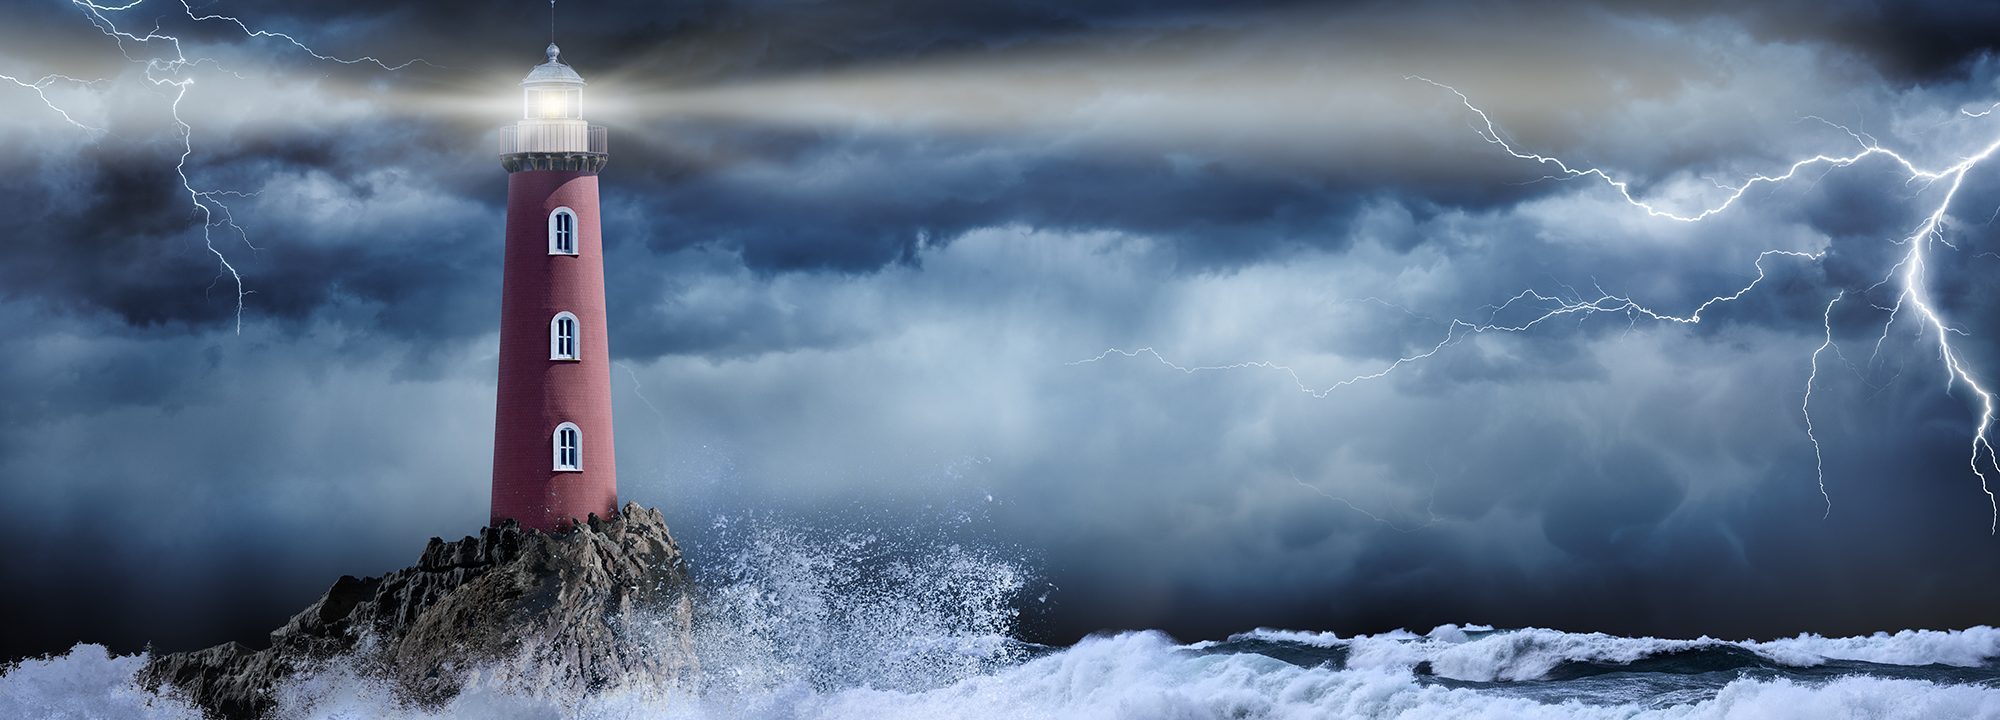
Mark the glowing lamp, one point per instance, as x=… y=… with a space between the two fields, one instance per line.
x=553 y=90
x=555 y=104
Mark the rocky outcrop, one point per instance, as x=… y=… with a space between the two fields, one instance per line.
x=597 y=605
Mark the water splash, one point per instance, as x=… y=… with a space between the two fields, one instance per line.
x=784 y=608
x=783 y=612
x=799 y=622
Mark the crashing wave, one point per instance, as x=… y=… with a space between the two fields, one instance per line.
x=794 y=624
x=1453 y=652
x=1133 y=675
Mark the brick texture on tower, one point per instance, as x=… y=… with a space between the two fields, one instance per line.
x=553 y=455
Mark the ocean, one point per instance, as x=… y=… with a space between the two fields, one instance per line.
x=787 y=628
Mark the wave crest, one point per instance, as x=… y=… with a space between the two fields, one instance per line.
x=1477 y=654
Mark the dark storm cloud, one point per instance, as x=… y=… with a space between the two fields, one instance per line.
x=1226 y=208
x=1914 y=41
x=871 y=298
x=724 y=40
x=885 y=197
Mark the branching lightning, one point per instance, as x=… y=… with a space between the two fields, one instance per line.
x=1430 y=512
x=173 y=69
x=1550 y=307
x=1908 y=277
x=41 y=88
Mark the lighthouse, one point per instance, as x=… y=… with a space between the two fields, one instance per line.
x=552 y=451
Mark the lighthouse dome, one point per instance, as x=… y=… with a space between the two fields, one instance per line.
x=553 y=71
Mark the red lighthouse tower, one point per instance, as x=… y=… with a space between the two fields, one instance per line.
x=552 y=450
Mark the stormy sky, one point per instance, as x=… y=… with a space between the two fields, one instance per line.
x=856 y=249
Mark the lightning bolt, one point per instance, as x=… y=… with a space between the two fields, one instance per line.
x=1550 y=307
x=1430 y=512
x=41 y=88
x=1908 y=277
x=172 y=68
x=1805 y=406
x=1979 y=113
x=638 y=389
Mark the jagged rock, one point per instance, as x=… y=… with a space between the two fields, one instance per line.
x=596 y=605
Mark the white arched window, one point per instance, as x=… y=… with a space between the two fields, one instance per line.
x=563 y=337
x=568 y=448
x=562 y=232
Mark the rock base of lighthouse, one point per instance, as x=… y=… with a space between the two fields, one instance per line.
x=601 y=604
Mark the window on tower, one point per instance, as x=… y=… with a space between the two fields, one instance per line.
x=563 y=337
x=562 y=232
x=568 y=448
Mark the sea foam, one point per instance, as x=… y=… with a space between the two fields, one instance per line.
x=794 y=625
x=1530 y=654
x=1133 y=675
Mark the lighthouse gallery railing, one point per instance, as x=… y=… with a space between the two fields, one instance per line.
x=547 y=137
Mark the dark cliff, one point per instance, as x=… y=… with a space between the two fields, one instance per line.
x=572 y=611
